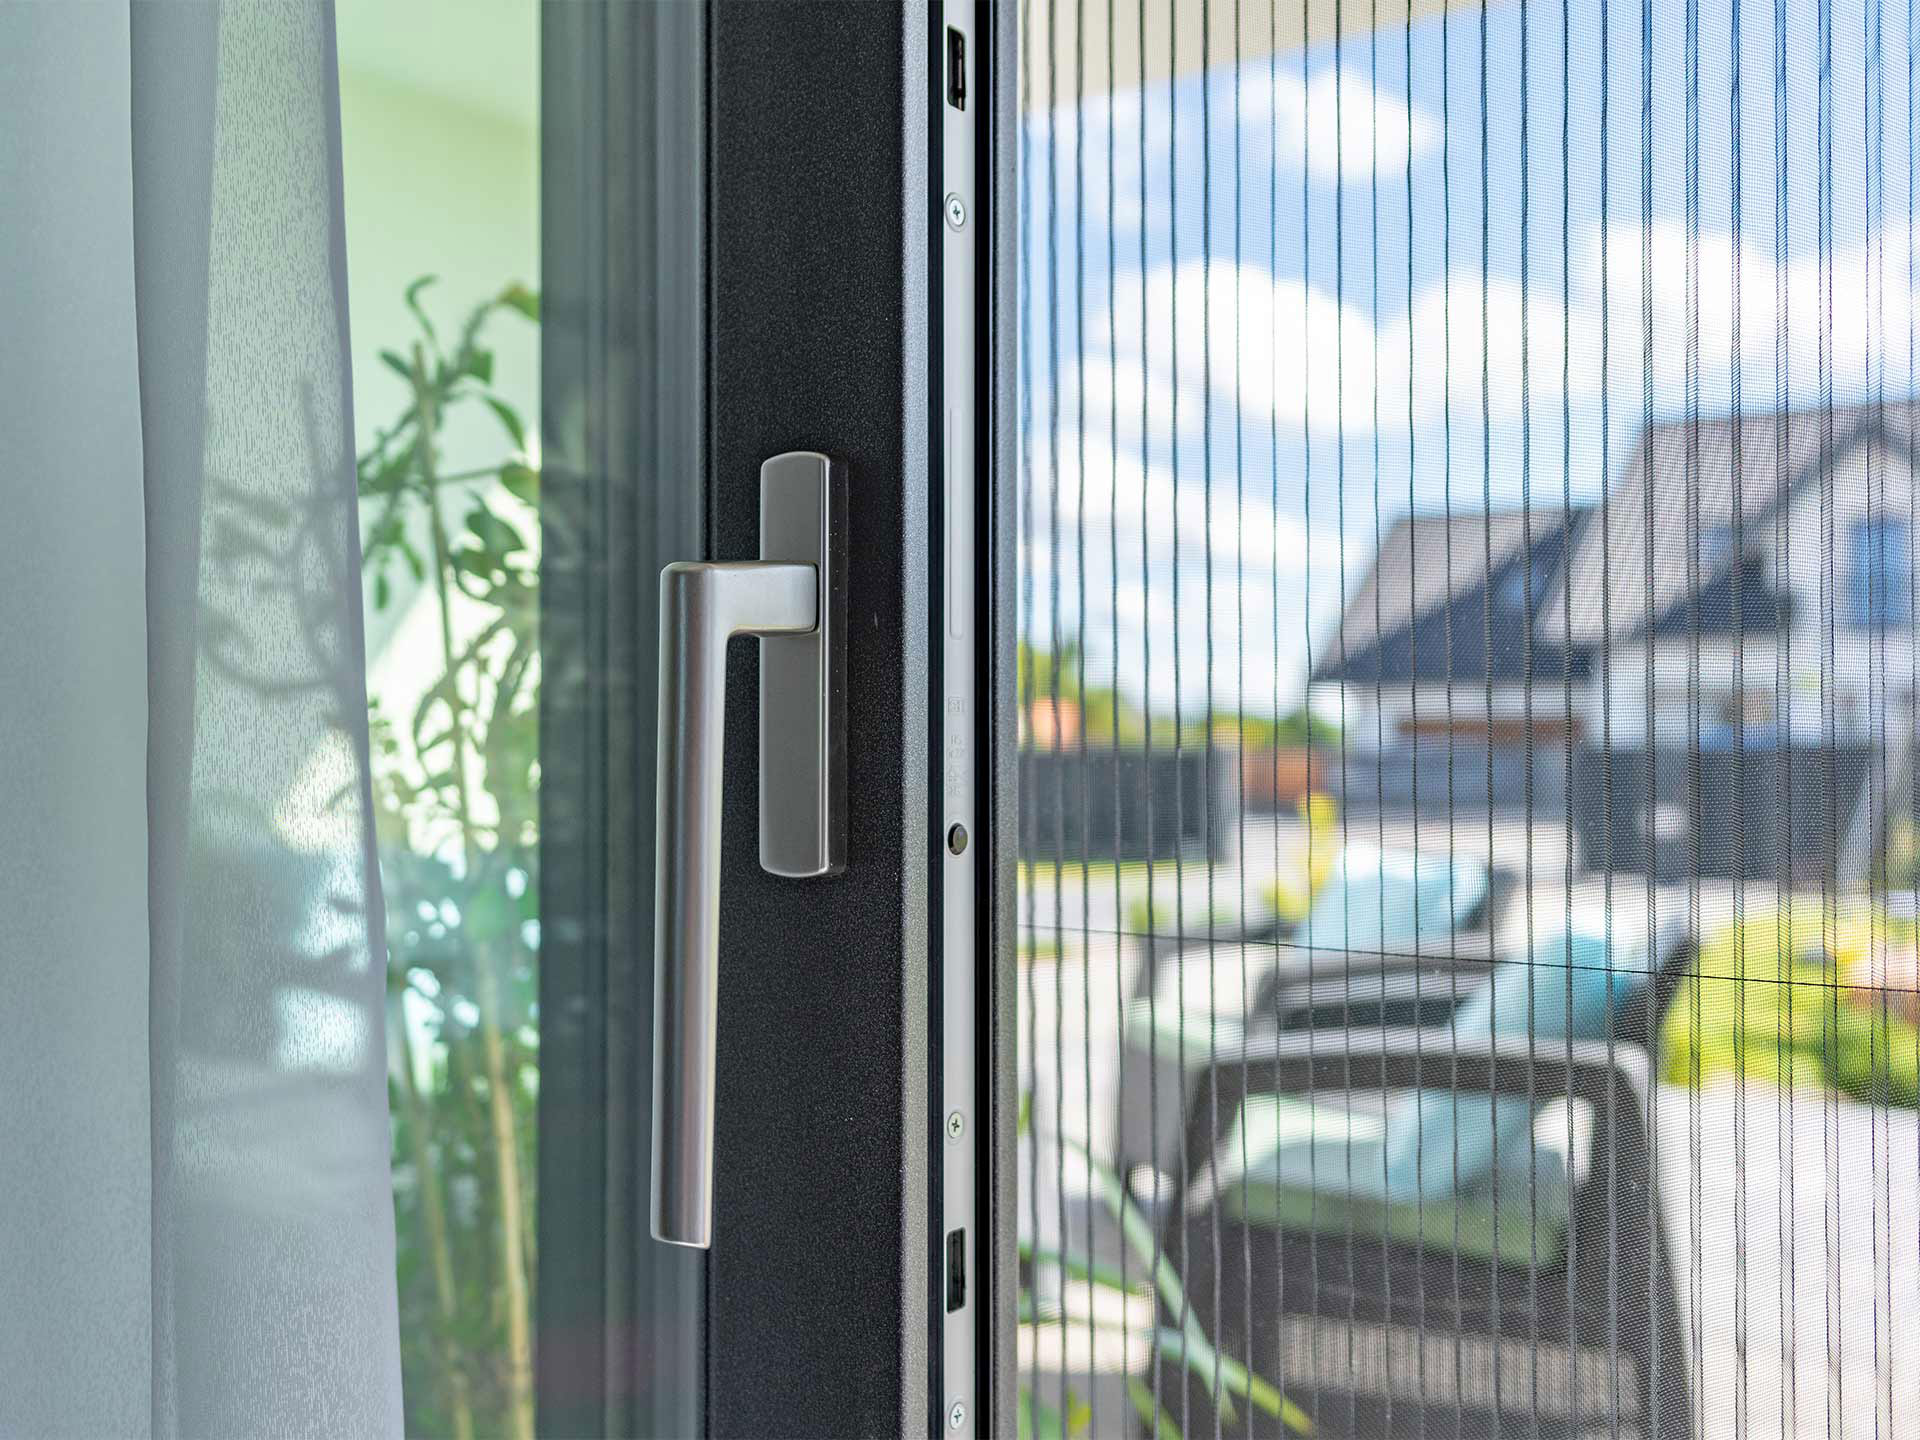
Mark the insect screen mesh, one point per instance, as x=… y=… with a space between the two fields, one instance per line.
x=1467 y=689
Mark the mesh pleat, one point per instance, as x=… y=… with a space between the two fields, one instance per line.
x=1467 y=957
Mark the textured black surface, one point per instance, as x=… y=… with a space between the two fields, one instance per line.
x=817 y=336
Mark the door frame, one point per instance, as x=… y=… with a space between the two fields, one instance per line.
x=741 y=235
x=618 y=1320
x=1000 y=621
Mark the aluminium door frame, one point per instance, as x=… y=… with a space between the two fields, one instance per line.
x=618 y=1320
x=999 y=751
x=742 y=232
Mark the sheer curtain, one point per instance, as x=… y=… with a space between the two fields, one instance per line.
x=196 y=1233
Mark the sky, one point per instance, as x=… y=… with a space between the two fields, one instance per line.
x=1270 y=307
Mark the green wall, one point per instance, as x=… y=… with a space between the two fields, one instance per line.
x=439 y=119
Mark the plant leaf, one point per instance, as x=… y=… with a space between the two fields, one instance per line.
x=396 y=362
x=1157 y=1420
x=473 y=561
x=1137 y=1231
x=1233 y=1378
x=1038 y=1420
x=1079 y=1413
x=493 y=532
x=1094 y=1272
x=509 y=420
x=521 y=481
x=1195 y=1349
x=518 y=297
x=413 y=304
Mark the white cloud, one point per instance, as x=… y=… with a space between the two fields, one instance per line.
x=1460 y=324
x=1262 y=341
x=1264 y=596
x=1377 y=133
x=1868 y=314
x=1326 y=366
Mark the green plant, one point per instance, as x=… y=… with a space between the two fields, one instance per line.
x=1291 y=896
x=1108 y=718
x=456 y=805
x=1900 y=855
x=1187 y=1344
x=1801 y=996
x=1159 y=918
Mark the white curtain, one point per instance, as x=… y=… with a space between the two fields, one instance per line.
x=196 y=1230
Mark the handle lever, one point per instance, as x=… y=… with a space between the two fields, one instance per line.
x=794 y=598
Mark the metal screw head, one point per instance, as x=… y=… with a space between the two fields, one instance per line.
x=956 y=1125
x=957 y=1416
x=956 y=210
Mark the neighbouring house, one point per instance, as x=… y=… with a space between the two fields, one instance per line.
x=1724 y=643
x=1440 y=640
x=1760 y=573
x=1439 y=673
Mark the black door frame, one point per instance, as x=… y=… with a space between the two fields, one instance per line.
x=784 y=155
x=818 y=339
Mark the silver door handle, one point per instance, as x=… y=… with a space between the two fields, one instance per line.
x=794 y=598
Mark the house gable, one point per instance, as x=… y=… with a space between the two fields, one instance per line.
x=1659 y=555
x=1452 y=600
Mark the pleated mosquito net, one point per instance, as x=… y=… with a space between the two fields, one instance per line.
x=1467 y=674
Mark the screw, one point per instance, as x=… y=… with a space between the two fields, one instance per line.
x=956 y=210
x=957 y=1416
x=957 y=839
x=956 y=1125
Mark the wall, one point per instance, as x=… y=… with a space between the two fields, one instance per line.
x=439 y=120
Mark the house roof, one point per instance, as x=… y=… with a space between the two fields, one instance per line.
x=1442 y=585
x=1442 y=588
x=1688 y=481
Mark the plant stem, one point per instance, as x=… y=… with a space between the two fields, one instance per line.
x=506 y=1148
x=452 y=1376
x=459 y=476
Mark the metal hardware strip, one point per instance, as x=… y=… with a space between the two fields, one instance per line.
x=961 y=52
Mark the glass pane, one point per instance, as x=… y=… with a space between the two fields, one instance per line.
x=440 y=142
x=1468 y=690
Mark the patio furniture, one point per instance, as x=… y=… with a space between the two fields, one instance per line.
x=1195 y=999
x=1341 y=1237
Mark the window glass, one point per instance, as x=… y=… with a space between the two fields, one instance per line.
x=440 y=148
x=1882 y=561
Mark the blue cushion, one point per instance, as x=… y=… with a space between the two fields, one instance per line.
x=1379 y=898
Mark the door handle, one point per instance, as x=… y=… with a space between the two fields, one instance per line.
x=794 y=598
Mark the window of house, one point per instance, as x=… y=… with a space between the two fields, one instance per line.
x=1716 y=544
x=1881 y=580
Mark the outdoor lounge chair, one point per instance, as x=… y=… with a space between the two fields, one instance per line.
x=1533 y=1297
x=1193 y=1002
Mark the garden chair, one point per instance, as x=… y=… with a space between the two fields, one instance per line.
x=1195 y=1001
x=1340 y=1239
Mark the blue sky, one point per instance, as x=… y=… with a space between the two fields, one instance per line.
x=1284 y=328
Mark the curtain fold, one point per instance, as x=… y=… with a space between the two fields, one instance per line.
x=198 y=1233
